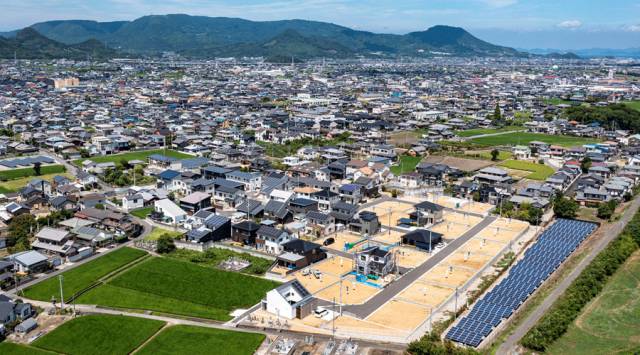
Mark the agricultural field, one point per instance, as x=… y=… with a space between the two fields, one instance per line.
x=480 y=131
x=406 y=164
x=486 y=154
x=142 y=213
x=171 y=286
x=609 y=324
x=13 y=174
x=523 y=138
x=139 y=155
x=7 y=348
x=83 y=276
x=557 y=101
x=99 y=334
x=538 y=171
x=156 y=233
x=184 y=339
x=16 y=184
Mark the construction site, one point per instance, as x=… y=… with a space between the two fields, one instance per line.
x=424 y=285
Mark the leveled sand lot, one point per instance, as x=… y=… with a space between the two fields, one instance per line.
x=387 y=236
x=447 y=275
x=410 y=257
x=353 y=292
x=400 y=315
x=483 y=246
x=313 y=284
x=468 y=259
x=455 y=224
x=334 y=265
x=341 y=239
x=391 y=211
x=425 y=294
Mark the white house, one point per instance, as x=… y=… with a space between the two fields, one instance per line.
x=251 y=181
x=172 y=212
x=132 y=202
x=290 y=300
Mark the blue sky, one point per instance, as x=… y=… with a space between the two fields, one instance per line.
x=564 y=24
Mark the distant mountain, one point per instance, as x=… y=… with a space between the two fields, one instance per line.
x=567 y=55
x=591 y=52
x=200 y=36
x=29 y=44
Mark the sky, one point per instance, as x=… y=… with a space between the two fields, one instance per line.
x=562 y=24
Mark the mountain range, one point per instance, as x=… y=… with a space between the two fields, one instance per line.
x=207 y=37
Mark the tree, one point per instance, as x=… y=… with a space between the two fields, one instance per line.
x=124 y=163
x=585 y=164
x=607 y=209
x=494 y=155
x=37 y=168
x=20 y=230
x=99 y=206
x=565 y=208
x=165 y=244
x=497 y=116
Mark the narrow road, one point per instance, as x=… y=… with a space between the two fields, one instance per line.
x=493 y=134
x=606 y=233
x=364 y=310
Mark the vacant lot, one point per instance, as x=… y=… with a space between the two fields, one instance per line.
x=156 y=233
x=538 y=171
x=142 y=212
x=406 y=164
x=141 y=155
x=214 y=256
x=459 y=163
x=187 y=340
x=99 y=334
x=14 y=174
x=523 y=138
x=83 y=276
x=610 y=324
x=178 y=287
x=481 y=131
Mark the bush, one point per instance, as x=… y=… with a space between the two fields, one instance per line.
x=565 y=208
x=606 y=210
x=165 y=244
x=590 y=282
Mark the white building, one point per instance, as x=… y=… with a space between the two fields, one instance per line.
x=290 y=300
x=172 y=213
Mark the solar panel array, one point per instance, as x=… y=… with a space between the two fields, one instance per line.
x=26 y=162
x=553 y=246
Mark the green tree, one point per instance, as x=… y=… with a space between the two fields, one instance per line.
x=165 y=244
x=565 y=208
x=585 y=164
x=607 y=209
x=20 y=229
x=37 y=168
x=494 y=155
x=497 y=116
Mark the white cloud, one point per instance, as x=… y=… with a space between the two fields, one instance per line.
x=500 y=3
x=633 y=28
x=571 y=24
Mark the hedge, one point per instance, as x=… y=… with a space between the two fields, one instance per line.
x=584 y=288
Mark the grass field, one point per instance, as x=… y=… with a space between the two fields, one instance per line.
x=16 y=184
x=84 y=275
x=99 y=334
x=538 y=171
x=523 y=138
x=214 y=256
x=479 y=131
x=557 y=101
x=14 y=174
x=486 y=154
x=7 y=348
x=177 y=287
x=187 y=340
x=156 y=233
x=142 y=213
x=139 y=155
x=406 y=164
x=633 y=104
x=610 y=324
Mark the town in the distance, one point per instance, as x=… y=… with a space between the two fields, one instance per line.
x=474 y=202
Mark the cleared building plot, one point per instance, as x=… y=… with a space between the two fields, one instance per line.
x=455 y=224
x=387 y=236
x=389 y=212
x=447 y=275
x=353 y=292
x=314 y=284
x=469 y=259
x=409 y=257
x=400 y=315
x=343 y=238
x=428 y=295
x=483 y=245
x=334 y=265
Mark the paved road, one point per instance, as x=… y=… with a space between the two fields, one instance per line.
x=493 y=134
x=364 y=310
x=606 y=234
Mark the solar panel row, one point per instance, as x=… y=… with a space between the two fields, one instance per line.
x=543 y=258
x=26 y=162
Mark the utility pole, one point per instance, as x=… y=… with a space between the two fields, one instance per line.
x=61 y=278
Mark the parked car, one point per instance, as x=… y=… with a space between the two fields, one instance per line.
x=328 y=241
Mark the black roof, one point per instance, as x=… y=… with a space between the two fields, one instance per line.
x=422 y=236
x=429 y=206
x=304 y=202
x=248 y=226
x=299 y=246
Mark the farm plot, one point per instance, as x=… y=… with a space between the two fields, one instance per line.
x=177 y=287
x=187 y=340
x=83 y=276
x=523 y=138
x=99 y=334
x=139 y=155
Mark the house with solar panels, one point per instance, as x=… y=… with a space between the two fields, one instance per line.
x=290 y=300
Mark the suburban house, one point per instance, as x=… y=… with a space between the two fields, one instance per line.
x=29 y=261
x=298 y=253
x=289 y=300
x=270 y=239
x=427 y=213
x=374 y=261
x=422 y=239
x=245 y=232
x=171 y=213
x=195 y=202
x=215 y=228
x=365 y=222
x=54 y=241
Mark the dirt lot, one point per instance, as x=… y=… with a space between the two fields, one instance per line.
x=353 y=292
x=391 y=211
x=410 y=257
x=425 y=294
x=400 y=315
x=334 y=265
x=341 y=238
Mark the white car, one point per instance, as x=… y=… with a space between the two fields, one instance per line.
x=320 y=312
